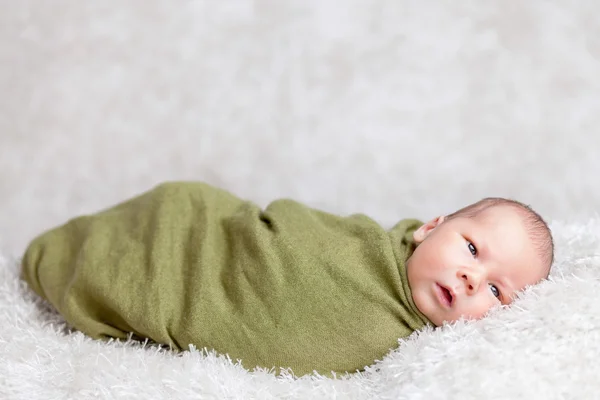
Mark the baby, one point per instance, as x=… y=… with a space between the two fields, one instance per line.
x=285 y=287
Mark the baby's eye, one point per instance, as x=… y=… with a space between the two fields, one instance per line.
x=495 y=290
x=472 y=248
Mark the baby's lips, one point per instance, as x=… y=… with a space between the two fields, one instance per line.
x=452 y=295
x=446 y=294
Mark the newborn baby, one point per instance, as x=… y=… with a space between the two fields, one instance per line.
x=285 y=287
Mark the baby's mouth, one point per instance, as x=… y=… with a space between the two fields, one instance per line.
x=446 y=295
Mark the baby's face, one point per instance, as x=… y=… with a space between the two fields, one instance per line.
x=464 y=266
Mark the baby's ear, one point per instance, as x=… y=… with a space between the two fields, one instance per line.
x=424 y=230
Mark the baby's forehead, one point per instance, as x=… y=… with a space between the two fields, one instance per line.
x=501 y=216
x=507 y=237
x=502 y=229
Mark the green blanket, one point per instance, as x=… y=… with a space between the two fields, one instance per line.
x=187 y=263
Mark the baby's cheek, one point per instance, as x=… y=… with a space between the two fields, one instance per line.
x=478 y=309
x=486 y=306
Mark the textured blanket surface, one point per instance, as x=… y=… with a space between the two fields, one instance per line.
x=545 y=346
x=392 y=108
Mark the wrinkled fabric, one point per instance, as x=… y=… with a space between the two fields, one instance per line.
x=187 y=263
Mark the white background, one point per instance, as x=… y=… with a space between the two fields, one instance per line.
x=390 y=108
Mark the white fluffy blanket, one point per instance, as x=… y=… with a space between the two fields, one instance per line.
x=545 y=346
x=393 y=108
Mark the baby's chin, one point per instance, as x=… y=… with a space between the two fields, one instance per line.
x=448 y=321
x=440 y=320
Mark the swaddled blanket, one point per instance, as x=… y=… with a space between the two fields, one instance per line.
x=187 y=263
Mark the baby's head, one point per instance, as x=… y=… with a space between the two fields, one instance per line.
x=478 y=257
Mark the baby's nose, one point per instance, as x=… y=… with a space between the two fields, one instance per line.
x=472 y=278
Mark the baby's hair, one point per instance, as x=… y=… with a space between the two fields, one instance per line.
x=537 y=228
